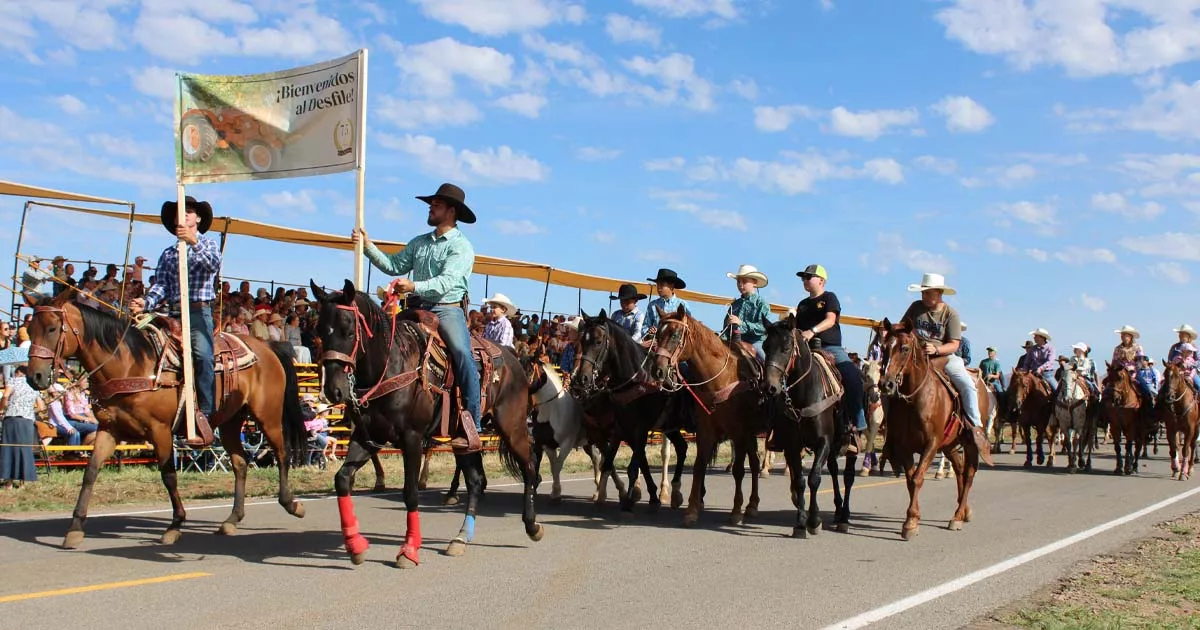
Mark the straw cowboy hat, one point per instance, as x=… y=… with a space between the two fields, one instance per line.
x=1080 y=346
x=1127 y=329
x=932 y=281
x=275 y=317
x=668 y=275
x=1041 y=332
x=502 y=300
x=203 y=209
x=628 y=292
x=1186 y=330
x=262 y=310
x=456 y=197
x=750 y=271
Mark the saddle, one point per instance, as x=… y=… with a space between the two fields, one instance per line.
x=832 y=384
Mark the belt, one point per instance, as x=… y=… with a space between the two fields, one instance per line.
x=422 y=304
x=174 y=306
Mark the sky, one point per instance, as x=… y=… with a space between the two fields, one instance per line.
x=1041 y=154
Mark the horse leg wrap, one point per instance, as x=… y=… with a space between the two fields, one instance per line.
x=412 y=538
x=355 y=543
x=468 y=528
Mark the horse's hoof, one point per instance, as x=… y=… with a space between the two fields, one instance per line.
x=297 y=509
x=751 y=512
x=690 y=520
x=552 y=501
x=1041 y=460
x=814 y=529
x=227 y=529
x=864 y=472
x=937 y=475
x=1117 y=472
x=676 y=499
x=799 y=532
x=1028 y=464
x=402 y=562
x=843 y=528
x=1071 y=470
x=909 y=534
x=538 y=533
x=359 y=558
x=736 y=518
x=422 y=485
x=72 y=540
x=456 y=548
x=664 y=496
x=635 y=494
x=450 y=499
x=968 y=514
x=956 y=526
x=170 y=537
x=654 y=505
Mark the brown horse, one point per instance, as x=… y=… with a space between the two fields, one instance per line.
x=1182 y=414
x=922 y=419
x=729 y=405
x=1032 y=404
x=1123 y=409
x=131 y=407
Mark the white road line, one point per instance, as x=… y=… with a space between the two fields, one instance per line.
x=924 y=597
x=66 y=515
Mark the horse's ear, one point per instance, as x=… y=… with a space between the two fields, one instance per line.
x=348 y=288
x=886 y=325
x=1107 y=366
x=791 y=321
x=65 y=296
x=603 y=316
x=583 y=315
x=661 y=313
x=1164 y=362
x=681 y=311
x=766 y=321
x=318 y=292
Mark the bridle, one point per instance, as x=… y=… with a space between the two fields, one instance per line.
x=597 y=363
x=362 y=332
x=784 y=370
x=57 y=356
x=908 y=363
x=672 y=350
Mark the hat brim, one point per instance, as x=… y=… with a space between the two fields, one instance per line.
x=917 y=288
x=509 y=307
x=637 y=296
x=676 y=281
x=170 y=212
x=464 y=213
x=1135 y=333
x=760 y=280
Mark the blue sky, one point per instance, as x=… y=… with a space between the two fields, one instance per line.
x=1040 y=154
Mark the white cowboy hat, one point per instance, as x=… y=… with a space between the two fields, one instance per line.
x=964 y=326
x=1041 y=332
x=932 y=281
x=1128 y=329
x=1187 y=347
x=750 y=271
x=1186 y=329
x=502 y=300
x=1080 y=346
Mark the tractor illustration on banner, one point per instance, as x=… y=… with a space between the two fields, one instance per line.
x=205 y=131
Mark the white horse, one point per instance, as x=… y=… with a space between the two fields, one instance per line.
x=873 y=406
x=1070 y=414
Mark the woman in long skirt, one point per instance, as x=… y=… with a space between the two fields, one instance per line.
x=18 y=435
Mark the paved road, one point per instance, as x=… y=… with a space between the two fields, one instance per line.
x=591 y=570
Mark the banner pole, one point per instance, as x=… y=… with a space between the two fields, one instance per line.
x=185 y=320
x=359 y=218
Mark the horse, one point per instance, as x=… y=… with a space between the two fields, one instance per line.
x=133 y=401
x=872 y=370
x=1182 y=418
x=559 y=428
x=612 y=374
x=923 y=419
x=1123 y=408
x=806 y=416
x=1031 y=403
x=989 y=424
x=730 y=406
x=1070 y=418
x=363 y=347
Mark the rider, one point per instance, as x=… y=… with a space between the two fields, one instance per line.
x=441 y=263
x=1040 y=357
x=1146 y=378
x=1187 y=360
x=819 y=316
x=748 y=312
x=964 y=348
x=1083 y=366
x=630 y=317
x=1187 y=335
x=203 y=263
x=667 y=282
x=499 y=329
x=991 y=371
x=1126 y=353
x=938 y=326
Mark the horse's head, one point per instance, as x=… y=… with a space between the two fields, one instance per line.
x=905 y=356
x=782 y=349
x=595 y=348
x=1175 y=379
x=55 y=334
x=340 y=330
x=1119 y=382
x=670 y=347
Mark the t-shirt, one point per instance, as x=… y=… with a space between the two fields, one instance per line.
x=812 y=311
x=938 y=327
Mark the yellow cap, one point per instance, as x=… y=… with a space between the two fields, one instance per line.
x=814 y=270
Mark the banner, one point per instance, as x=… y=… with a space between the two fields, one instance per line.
x=292 y=123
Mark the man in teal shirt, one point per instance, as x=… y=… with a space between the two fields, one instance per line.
x=441 y=262
x=667 y=282
x=747 y=312
x=990 y=369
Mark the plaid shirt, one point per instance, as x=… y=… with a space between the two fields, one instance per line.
x=204 y=263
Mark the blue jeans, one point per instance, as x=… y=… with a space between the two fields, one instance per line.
x=83 y=429
x=73 y=439
x=957 y=371
x=852 y=399
x=202 y=358
x=1048 y=376
x=758 y=351
x=452 y=324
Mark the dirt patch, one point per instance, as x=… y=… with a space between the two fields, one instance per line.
x=1151 y=583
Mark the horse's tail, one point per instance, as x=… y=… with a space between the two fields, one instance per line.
x=293 y=416
x=511 y=460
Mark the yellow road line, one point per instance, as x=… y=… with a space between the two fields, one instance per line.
x=101 y=587
x=864 y=486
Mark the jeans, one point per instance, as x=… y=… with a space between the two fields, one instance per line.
x=957 y=371
x=852 y=399
x=758 y=351
x=1048 y=376
x=83 y=429
x=452 y=324
x=73 y=439
x=202 y=358
x=1196 y=380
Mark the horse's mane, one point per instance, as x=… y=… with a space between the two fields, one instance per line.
x=629 y=354
x=109 y=331
x=710 y=343
x=380 y=324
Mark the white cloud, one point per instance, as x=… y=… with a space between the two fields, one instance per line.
x=433 y=67
x=301 y=202
x=70 y=104
x=869 y=124
x=793 y=174
x=597 y=154
x=942 y=166
x=422 y=114
x=1171 y=271
x=154 y=81
x=521 y=227
x=1171 y=245
x=1016 y=174
x=665 y=164
x=624 y=29
x=745 y=88
x=779 y=118
x=997 y=246
x=884 y=170
x=488 y=17
x=86 y=24
x=891 y=250
x=1118 y=204
x=498 y=165
x=191 y=38
x=724 y=9
x=677 y=73
x=1172 y=112
x=687 y=201
x=1042 y=216
x=963 y=114
x=1079 y=256
x=656 y=256
x=605 y=237
x=300 y=34
x=523 y=103
x=953 y=245
x=1037 y=254
x=1166 y=175
x=1092 y=303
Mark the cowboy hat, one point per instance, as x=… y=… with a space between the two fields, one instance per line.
x=964 y=325
x=814 y=270
x=932 y=281
x=275 y=317
x=1080 y=346
x=262 y=309
x=667 y=275
x=1187 y=330
x=456 y=197
x=1188 y=347
x=502 y=300
x=1127 y=329
x=203 y=210
x=1028 y=345
x=750 y=271
x=628 y=292
x=1040 y=332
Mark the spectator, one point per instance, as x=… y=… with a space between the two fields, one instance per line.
x=498 y=327
x=18 y=435
x=35 y=281
x=318 y=430
x=258 y=327
x=239 y=323
x=274 y=327
x=58 y=418
x=79 y=411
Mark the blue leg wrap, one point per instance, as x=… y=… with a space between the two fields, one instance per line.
x=468 y=528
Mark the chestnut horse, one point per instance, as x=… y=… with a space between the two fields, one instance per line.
x=1182 y=416
x=729 y=404
x=374 y=363
x=922 y=419
x=1123 y=409
x=1032 y=403
x=113 y=349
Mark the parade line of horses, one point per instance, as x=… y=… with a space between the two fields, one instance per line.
x=391 y=373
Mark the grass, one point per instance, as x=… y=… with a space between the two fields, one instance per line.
x=141 y=485
x=1153 y=584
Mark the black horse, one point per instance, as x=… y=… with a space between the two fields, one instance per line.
x=613 y=367
x=373 y=362
x=802 y=419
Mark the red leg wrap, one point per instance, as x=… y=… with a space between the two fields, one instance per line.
x=355 y=543
x=412 y=538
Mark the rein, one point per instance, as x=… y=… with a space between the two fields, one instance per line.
x=638 y=376
x=362 y=332
x=672 y=356
x=55 y=356
x=909 y=362
x=785 y=370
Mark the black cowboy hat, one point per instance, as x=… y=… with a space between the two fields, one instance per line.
x=456 y=197
x=666 y=275
x=170 y=211
x=628 y=292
